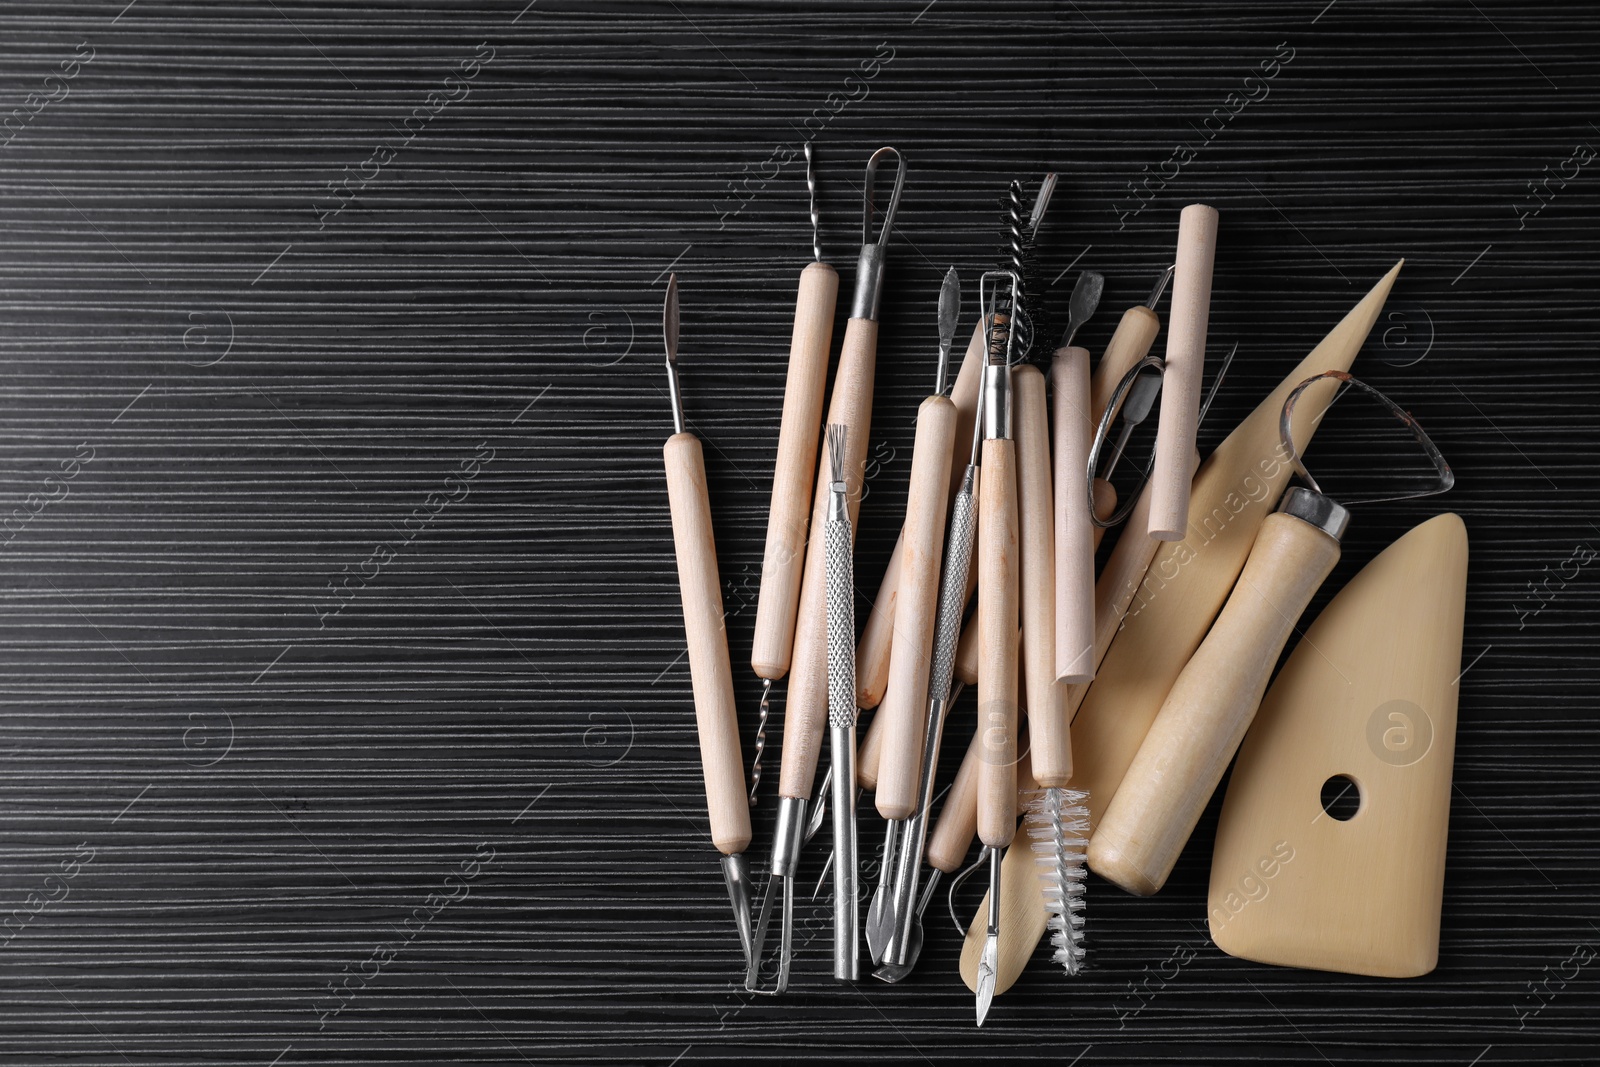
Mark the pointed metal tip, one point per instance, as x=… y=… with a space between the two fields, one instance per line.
x=1160 y=287
x=669 y=319
x=986 y=973
x=822 y=879
x=669 y=334
x=1041 y=203
x=736 y=873
x=819 y=806
x=949 y=318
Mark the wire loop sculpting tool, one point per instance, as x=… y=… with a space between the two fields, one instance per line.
x=874 y=650
x=721 y=760
x=1214 y=700
x=850 y=407
x=783 y=562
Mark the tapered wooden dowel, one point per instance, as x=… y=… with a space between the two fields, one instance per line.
x=1074 y=528
x=783 y=563
x=904 y=710
x=1199 y=727
x=877 y=637
x=1180 y=383
x=721 y=760
x=997 y=643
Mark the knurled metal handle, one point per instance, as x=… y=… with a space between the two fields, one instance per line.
x=841 y=626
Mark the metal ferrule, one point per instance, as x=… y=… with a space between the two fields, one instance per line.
x=789 y=835
x=1323 y=512
x=838 y=502
x=997 y=402
x=676 y=393
x=869 y=281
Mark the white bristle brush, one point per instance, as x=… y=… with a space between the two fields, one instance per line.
x=1057 y=822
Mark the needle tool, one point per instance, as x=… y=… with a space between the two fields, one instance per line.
x=783 y=562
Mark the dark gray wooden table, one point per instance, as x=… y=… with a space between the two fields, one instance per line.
x=339 y=633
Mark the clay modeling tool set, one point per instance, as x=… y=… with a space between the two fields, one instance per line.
x=1214 y=699
x=850 y=407
x=1109 y=705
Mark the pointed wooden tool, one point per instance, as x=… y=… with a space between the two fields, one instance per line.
x=1369 y=695
x=1234 y=491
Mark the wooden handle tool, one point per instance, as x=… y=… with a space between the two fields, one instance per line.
x=1075 y=542
x=1047 y=725
x=904 y=711
x=783 y=562
x=998 y=609
x=1215 y=698
x=807 y=706
x=700 y=588
x=1180 y=388
x=1174 y=602
x=1212 y=703
x=874 y=650
x=850 y=408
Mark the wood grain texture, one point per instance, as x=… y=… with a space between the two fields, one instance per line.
x=1203 y=720
x=716 y=717
x=1074 y=540
x=877 y=636
x=1185 y=369
x=270 y=392
x=904 y=711
x=999 y=560
x=794 y=471
x=1036 y=576
x=1367 y=892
